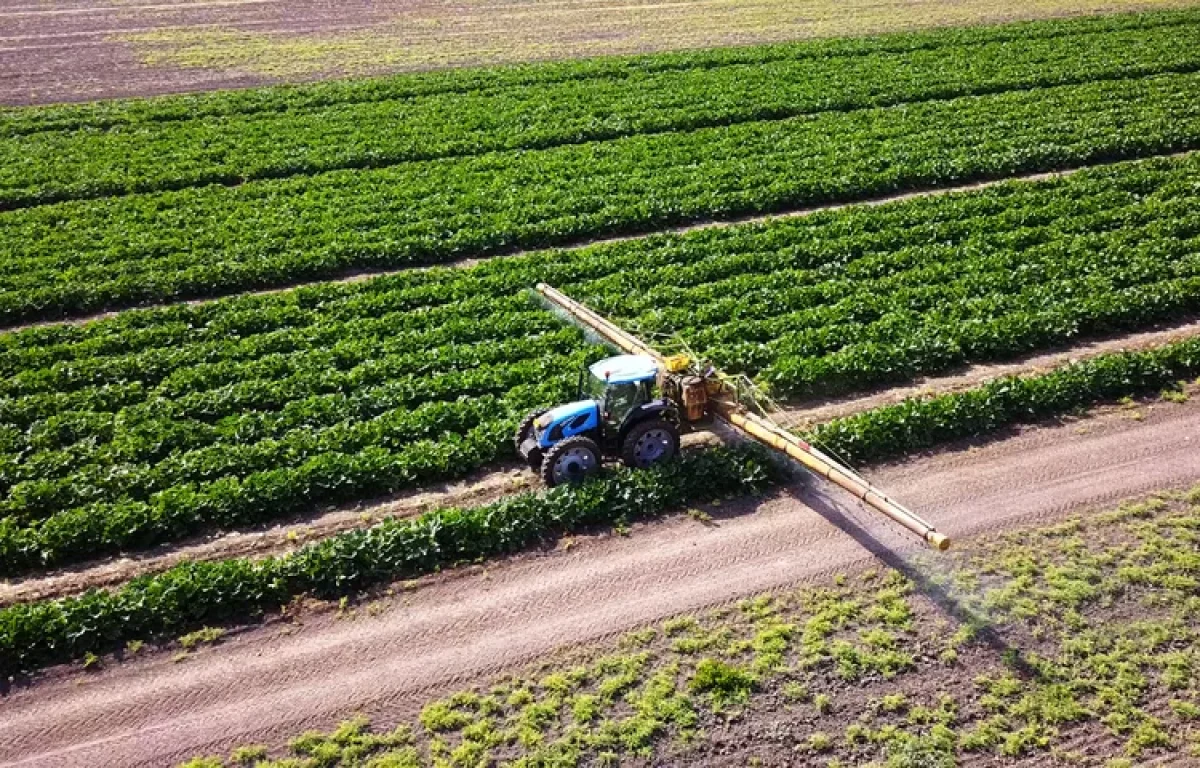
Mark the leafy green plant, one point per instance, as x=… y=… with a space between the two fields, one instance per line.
x=725 y=682
x=148 y=426
x=58 y=155
x=202 y=636
x=470 y=194
x=248 y=754
x=920 y=423
x=820 y=742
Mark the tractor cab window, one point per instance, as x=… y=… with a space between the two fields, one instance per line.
x=620 y=399
x=593 y=387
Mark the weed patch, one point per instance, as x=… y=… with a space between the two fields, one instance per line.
x=1082 y=630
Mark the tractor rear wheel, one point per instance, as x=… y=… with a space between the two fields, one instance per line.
x=651 y=442
x=570 y=461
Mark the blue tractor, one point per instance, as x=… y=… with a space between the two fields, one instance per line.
x=621 y=413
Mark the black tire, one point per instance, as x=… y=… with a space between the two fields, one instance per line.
x=570 y=461
x=534 y=459
x=650 y=442
x=525 y=428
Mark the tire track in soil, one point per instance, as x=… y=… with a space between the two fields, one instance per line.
x=268 y=684
x=120 y=9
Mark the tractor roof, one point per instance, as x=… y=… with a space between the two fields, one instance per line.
x=624 y=369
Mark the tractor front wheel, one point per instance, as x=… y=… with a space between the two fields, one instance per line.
x=651 y=442
x=526 y=428
x=570 y=461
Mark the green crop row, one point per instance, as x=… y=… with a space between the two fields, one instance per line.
x=765 y=286
x=195 y=594
x=150 y=425
x=136 y=113
x=81 y=256
x=699 y=268
x=85 y=163
x=919 y=423
x=107 y=507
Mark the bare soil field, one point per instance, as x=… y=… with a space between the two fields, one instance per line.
x=72 y=50
x=387 y=658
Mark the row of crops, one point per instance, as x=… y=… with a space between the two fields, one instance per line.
x=1038 y=105
x=150 y=155
x=340 y=93
x=155 y=424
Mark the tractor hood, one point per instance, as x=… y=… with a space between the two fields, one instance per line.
x=567 y=411
x=566 y=421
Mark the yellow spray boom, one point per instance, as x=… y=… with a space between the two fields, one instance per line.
x=722 y=403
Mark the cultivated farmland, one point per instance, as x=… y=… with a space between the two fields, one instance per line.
x=237 y=411
x=594 y=157
x=231 y=311
x=67 y=50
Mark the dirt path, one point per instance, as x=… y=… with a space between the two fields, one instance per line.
x=266 y=685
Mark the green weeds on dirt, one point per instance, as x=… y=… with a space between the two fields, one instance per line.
x=1029 y=643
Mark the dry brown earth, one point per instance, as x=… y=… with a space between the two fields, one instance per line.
x=71 y=50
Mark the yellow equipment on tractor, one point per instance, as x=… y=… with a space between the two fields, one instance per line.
x=635 y=405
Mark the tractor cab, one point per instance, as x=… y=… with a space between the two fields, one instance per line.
x=619 y=385
x=620 y=413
